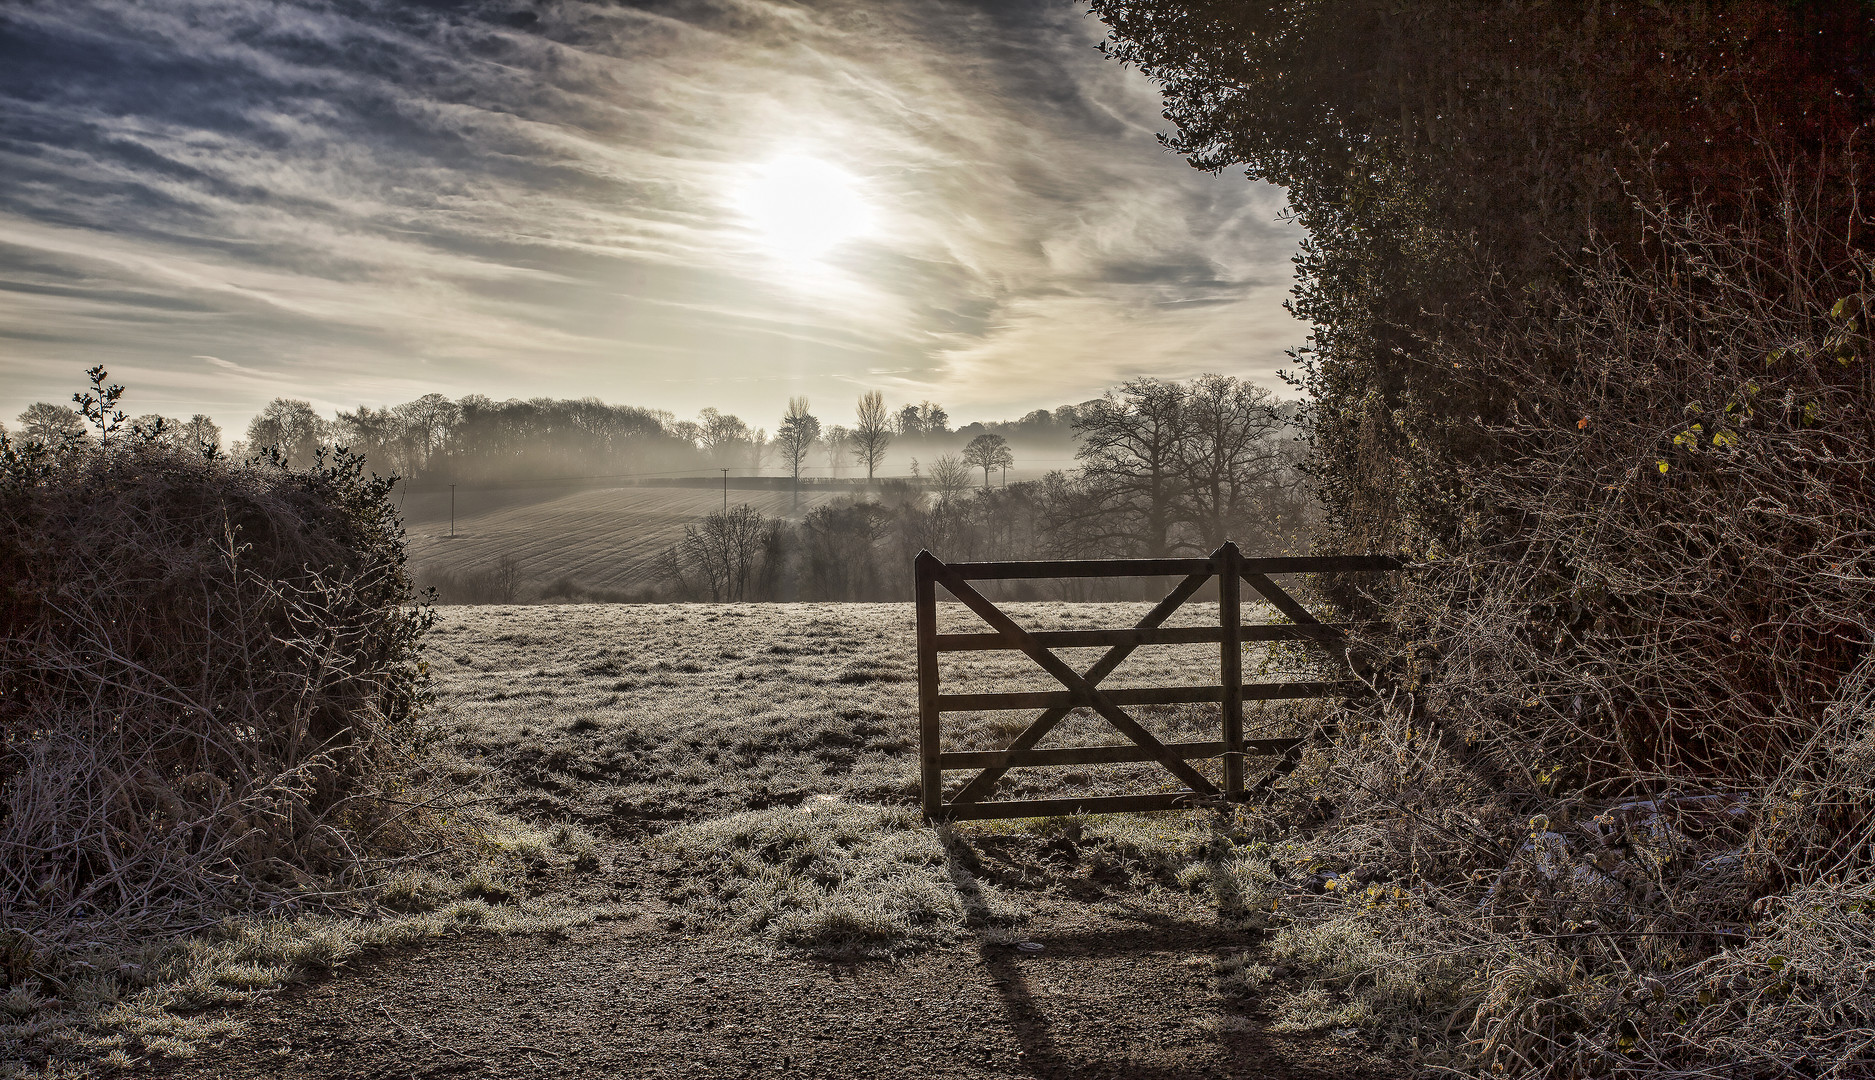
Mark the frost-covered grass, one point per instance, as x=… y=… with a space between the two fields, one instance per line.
x=128 y=1009
x=827 y=876
x=627 y=716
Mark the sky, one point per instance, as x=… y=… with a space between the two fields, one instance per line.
x=671 y=205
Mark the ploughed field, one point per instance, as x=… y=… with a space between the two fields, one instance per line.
x=772 y=905
x=601 y=538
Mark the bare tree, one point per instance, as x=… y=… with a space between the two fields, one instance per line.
x=428 y=422
x=724 y=551
x=838 y=441
x=291 y=425
x=378 y=434
x=199 y=431
x=932 y=419
x=46 y=423
x=798 y=433
x=760 y=446
x=1230 y=457
x=688 y=431
x=1131 y=450
x=725 y=439
x=157 y=428
x=949 y=476
x=988 y=451
x=872 y=432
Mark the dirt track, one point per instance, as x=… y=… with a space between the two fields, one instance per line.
x=1106 y=997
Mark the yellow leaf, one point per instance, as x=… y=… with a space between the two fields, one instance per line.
x=1662 y=465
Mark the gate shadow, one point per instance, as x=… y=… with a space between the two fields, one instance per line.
x=1237 y=1027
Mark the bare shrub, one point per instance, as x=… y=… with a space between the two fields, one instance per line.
x=209 y=690
x=1670 y=573
x=722 y=557
x=499 y=583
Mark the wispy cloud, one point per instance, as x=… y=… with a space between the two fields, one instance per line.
x=227 y=200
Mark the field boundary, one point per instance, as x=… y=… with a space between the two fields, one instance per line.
x=1081 y=688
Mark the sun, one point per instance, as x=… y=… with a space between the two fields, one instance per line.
x=804 y=208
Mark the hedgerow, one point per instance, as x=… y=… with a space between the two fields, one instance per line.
x=211 y=691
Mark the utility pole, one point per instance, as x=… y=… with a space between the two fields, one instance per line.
x=725 y=469
x=452 y=511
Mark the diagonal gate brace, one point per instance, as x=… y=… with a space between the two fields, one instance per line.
x=1068 y=677
x=981 y=784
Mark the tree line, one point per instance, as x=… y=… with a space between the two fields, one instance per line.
x=50 y=425
x=475 y=439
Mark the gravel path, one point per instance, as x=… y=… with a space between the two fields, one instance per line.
x=1105 y=997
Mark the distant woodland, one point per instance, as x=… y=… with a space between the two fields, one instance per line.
x=476 y=440
x=435 y=440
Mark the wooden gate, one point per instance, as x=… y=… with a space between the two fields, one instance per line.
x=1081 y=688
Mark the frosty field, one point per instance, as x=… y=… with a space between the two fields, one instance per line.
x=623 y=714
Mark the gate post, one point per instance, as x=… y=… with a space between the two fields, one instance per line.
x=1229 y=562
x=930 y=777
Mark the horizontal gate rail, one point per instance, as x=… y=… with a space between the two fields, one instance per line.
x=1299 y=564
x=1171 y=635
x=1090 y=804
x=1099 y=755
x=1150 y=695
x=1081 y=689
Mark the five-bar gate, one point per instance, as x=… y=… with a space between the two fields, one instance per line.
x=1082 y=688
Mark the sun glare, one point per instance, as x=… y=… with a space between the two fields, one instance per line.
x=804 y=207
